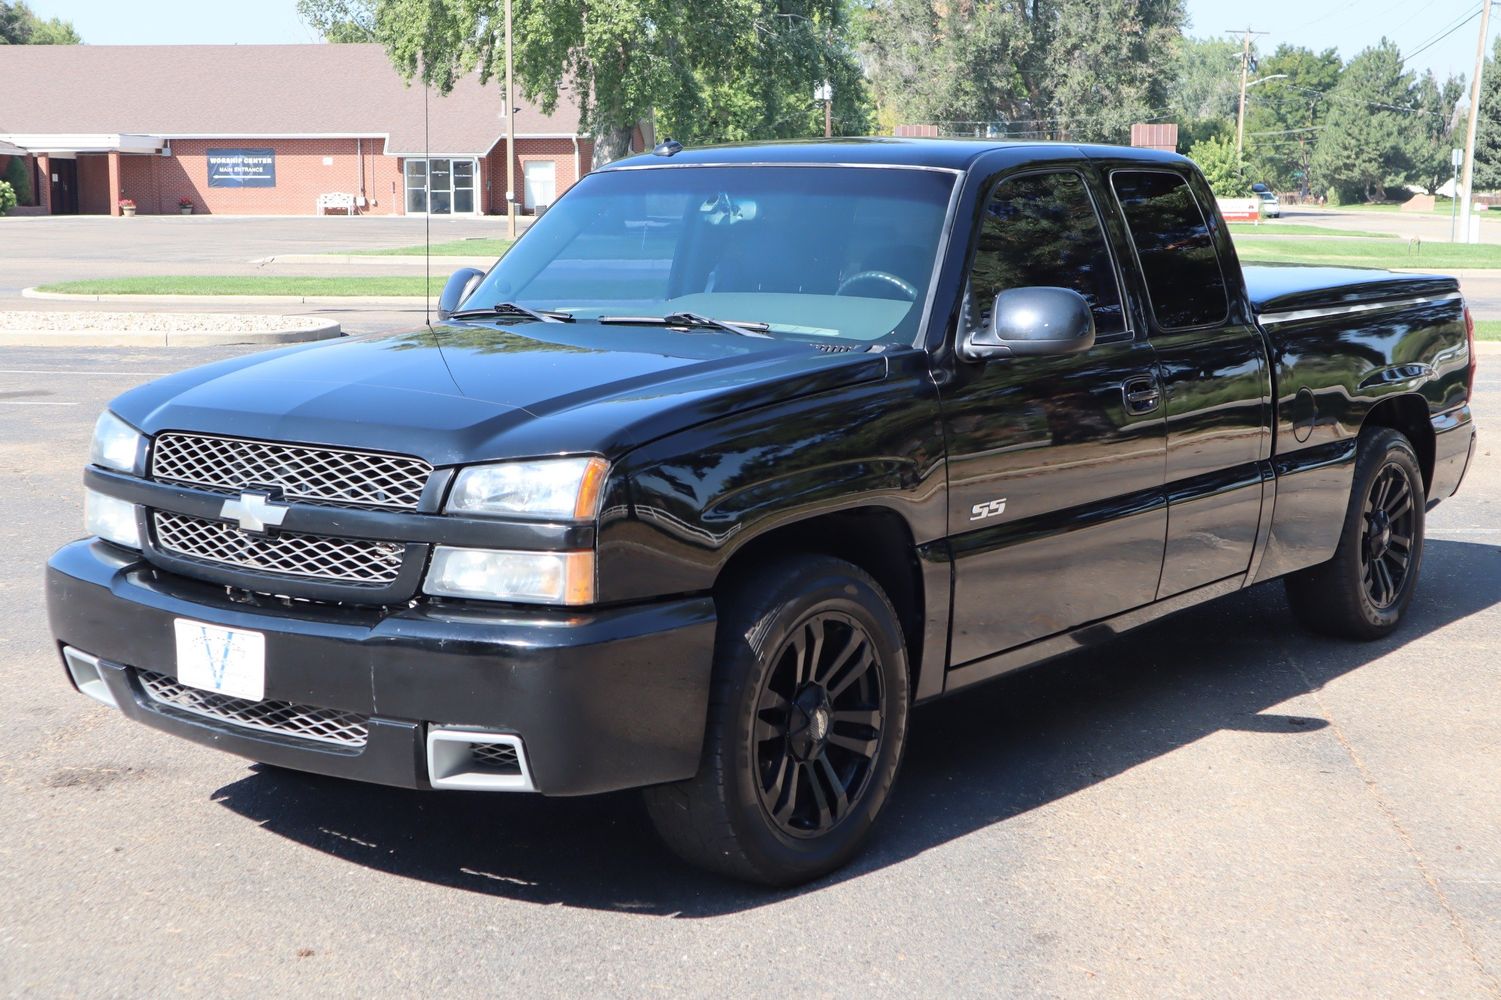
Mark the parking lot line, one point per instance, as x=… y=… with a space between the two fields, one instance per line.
x=34 y=402
x=71 y=371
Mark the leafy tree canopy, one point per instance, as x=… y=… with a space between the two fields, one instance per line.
x=1284 y=116
x=1363 y=148
x=1222 y=167
x=1488 y=125
x=340 y=21
x=1078 y=69
x=19 y=25
x=703 y=70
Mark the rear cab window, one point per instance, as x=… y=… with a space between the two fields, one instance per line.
x=1043 y=229
x=1185 y=283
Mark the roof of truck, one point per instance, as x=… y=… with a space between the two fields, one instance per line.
x=952 y=154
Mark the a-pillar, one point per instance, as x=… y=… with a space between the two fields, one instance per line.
x=44 y=192
x=115 y=193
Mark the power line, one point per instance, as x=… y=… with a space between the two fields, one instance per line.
x=1444 y=34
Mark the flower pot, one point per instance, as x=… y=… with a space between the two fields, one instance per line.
x=187 y=210
x=128 y=211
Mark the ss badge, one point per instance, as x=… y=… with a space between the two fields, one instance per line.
x=981 y=511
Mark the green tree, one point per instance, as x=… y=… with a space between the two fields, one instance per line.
x=1222 y=167
x=703 y=70
x=1284 y=116
x=1488 y=125
x=1076 y=69
x=1431 y=130
x=1363 y=148
x=7 y=198
x=340 y=20
x=1203 y=89
x=19 y=25
x=19 y=179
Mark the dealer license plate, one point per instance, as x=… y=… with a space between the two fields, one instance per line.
x=230 y=661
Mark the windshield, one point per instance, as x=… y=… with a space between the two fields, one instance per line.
x=812 y=252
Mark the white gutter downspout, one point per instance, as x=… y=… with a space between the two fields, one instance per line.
x=578 y=162
x=359 y=152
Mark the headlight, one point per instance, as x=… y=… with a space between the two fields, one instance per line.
x=558 y=488
x=111 y=519
x=116 y=443
x=525 y=577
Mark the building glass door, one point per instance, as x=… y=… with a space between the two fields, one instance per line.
x=440 y=186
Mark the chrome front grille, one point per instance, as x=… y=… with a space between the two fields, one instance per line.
x=303 y=473
x=325 y=725
x=357 y=561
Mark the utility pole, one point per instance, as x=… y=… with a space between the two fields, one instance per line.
x=825 y=93
x=1245 y=68
x=1469 y=171
x=510 y=132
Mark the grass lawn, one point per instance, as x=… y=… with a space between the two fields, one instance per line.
x=1274 y=228
x=453 y=248
x=1488 y=329
x=248 y=284
x=1369 y=253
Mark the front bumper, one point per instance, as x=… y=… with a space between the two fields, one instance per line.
x=601 y=700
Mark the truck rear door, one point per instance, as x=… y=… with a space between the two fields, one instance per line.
x=1213 y=366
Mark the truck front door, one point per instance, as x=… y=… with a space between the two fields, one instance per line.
x=1055 y=465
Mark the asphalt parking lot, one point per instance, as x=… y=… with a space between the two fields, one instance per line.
x=1216 y=805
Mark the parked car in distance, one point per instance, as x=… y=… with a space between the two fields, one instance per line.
x=1271 y=207
x=737 y=455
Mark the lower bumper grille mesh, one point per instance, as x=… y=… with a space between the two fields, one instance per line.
x=325 y=725
x=500 y=757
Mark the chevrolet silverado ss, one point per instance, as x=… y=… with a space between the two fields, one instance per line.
x=741 y=452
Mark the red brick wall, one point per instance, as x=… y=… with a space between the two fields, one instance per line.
x=559 y=151
x=157 y=182
x=93 y=184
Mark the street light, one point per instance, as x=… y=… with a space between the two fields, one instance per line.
x=1240 y=119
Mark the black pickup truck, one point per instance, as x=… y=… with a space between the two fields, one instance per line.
x=737 y=455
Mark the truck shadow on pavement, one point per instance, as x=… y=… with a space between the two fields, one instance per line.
x=991 y=754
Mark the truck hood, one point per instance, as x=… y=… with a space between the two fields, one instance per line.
x=472 y=392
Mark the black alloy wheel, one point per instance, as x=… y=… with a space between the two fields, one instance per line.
x=807 y=719
x=1386 y=546
x=818 y=725
x=1363 y=591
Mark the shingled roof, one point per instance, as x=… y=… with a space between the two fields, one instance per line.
x=253 y=91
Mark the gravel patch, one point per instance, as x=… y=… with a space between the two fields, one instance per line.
x=48 y=328
x=29 y=321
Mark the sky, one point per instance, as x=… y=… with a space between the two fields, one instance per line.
x=1347 y=25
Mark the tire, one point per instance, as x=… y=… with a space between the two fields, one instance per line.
x=1365 y=589
x=806 y=726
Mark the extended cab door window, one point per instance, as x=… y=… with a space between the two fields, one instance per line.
x=1214 y=375
x=1042 y=229
x=1056 y=512
x=1185 y=283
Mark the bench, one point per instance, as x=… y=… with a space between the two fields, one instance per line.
x=336 y=200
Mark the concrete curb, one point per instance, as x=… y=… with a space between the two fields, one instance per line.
x=444 y=262
x=165 y=338
x=1484 y=347
x=232 y=300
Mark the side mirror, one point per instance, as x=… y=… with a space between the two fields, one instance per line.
x=1032 y=322
x=460 y=284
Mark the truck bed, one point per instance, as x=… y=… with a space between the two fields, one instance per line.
x=1277 y=288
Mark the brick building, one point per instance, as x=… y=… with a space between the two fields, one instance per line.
x=267 y=130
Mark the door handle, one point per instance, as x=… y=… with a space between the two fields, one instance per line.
x=1141 y=394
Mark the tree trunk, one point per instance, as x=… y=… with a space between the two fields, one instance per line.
x=611 y=144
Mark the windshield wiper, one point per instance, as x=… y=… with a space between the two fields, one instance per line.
x=510 y=310
x=694 y=321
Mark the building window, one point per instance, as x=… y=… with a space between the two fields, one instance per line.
x=440 y=186
x=540 y=183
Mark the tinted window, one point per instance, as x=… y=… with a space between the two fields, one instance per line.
x=1177 y=255
x=815 y=252
x=1042 y=229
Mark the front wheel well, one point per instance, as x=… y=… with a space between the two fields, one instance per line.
x=873 y=538
x=1408 y=415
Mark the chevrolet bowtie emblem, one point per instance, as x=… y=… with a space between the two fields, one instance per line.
x=255 y=510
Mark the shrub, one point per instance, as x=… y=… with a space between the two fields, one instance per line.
x=20 y=180
x=7 y=197
x=1223 y=167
